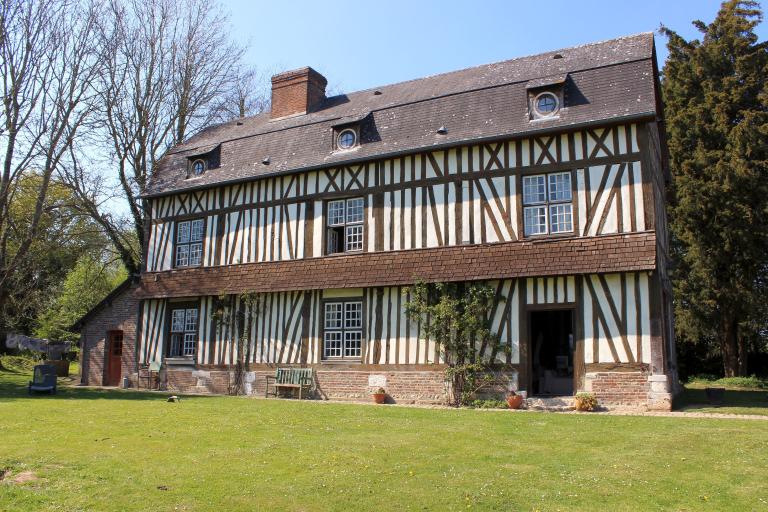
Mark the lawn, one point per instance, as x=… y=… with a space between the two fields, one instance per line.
x=735 y=400
x=113 y=450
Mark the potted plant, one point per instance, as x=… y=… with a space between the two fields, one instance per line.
x=584 y=401
x=380 y=395
x=514 y=401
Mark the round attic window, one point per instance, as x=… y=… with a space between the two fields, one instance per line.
x=347 y=139
x=198 y=167
x=546 y=104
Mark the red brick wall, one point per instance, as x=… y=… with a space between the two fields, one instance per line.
x=620 y=388
x=120 y=315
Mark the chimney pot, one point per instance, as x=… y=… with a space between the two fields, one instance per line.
x=297 y=92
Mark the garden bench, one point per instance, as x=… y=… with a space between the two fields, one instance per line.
x=44 y=379
x=293 y=378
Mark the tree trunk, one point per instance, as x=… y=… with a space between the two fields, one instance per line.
x=729 y=332
x=743 y=350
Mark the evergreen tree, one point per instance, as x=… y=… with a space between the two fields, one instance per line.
x=716 y=108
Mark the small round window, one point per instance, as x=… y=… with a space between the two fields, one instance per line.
x=546 y=104
x=347 y=139
x=198 y=167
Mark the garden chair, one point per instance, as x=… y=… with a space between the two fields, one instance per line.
x=44 y=379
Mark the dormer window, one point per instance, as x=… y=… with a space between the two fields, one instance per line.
x=546 y=97
x=198 y=167
x=199 y=163
x=346 y=139
x=546 y=104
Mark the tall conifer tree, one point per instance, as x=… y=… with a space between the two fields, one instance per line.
x=716 y=98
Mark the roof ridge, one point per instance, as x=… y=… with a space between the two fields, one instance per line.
x=504 y=61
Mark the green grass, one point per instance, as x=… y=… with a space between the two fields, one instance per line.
x=123 y=451
x=736 y=400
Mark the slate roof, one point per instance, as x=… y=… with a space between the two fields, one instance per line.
x=609 y=80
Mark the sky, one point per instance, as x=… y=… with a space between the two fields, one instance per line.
x=359 y=45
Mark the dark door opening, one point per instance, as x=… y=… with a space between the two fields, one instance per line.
x=114 y=357
x=552 y=352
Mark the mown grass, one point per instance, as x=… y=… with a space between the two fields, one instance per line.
x=743 y=395
x=124 y=451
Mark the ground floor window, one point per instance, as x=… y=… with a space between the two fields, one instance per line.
x=183 y=332
x=343 y=329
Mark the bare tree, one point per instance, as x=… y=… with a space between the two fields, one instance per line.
x=169 y=70
x=48 y=59
x=249 y=95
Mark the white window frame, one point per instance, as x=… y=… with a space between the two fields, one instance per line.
x=343 y=329
x=351 y=220
x=542 y=95
x=185 y=246
x=544 y=203
x=183 y=331
x=341 y=134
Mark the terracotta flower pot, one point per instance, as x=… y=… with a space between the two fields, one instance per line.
x=515 y=401
x=379 y=398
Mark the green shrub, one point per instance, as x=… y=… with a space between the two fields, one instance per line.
x=20 y=363
x=751 y=382
x=488 y=404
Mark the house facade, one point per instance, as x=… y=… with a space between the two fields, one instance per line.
x=301 y=230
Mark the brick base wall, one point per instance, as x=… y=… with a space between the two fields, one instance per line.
x=403 y=386
x=619 y=388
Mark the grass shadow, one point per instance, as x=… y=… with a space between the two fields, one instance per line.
x=13 y=386
x=692 y=399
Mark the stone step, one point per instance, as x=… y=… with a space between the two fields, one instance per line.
x=550 y=403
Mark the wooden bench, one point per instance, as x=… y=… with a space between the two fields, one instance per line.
x=294 y=378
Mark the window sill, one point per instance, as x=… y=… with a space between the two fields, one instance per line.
x=180 y=360
x=342 y=361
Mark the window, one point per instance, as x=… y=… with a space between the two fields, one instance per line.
x=548 y=206
x=343 y=330
x=345 y=225
x=347 y=139
x=189 y=243
x=183 y=332
x=198 y=167
x=546 y=104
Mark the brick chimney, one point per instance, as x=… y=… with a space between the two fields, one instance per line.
x=297 y=92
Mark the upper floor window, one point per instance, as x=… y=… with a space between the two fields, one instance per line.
x=183 y=332
x=198 y=167
x=548 y=204
x=342 y=329
x=345 y=225
x=189 y=243
x=347 y=139
x=546 y=104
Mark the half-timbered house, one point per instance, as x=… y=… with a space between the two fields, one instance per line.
x=542 y=176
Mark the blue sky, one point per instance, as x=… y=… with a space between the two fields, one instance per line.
x=358 y=45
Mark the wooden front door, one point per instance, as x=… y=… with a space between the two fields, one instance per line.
x=114 y=356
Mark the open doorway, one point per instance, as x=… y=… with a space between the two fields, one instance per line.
x=552 y=344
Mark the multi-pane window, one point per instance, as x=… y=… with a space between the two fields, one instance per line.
x=345 y=225
x=343 y=330
x=189 y=243
x=183 y=332
x=548 y=204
